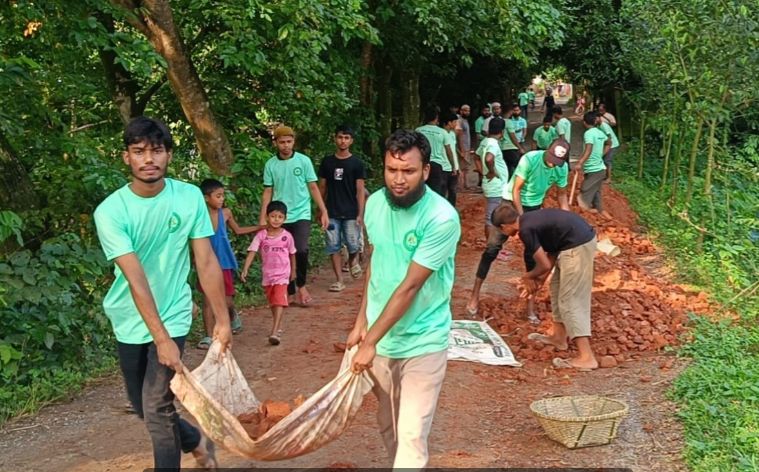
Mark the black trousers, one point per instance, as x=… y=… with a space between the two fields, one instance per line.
x=438 y=180
x=511 y=157
x=451 y=187
x=147 y=385
x=301 y=231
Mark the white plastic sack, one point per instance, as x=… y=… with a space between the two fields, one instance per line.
x=476 y=341
x=216 y=393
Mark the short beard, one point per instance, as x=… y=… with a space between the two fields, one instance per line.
x=150 y=180
x=408 y=200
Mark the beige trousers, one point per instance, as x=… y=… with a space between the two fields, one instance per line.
x=571 y=288
x=407 y=391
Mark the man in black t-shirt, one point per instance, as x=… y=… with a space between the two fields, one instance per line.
x=341 y=182
x=563 y=241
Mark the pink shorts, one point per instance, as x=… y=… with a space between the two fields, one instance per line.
x=276 y=294
x=229 y=282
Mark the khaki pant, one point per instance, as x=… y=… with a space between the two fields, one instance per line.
x=571 y=288
x=407 y=391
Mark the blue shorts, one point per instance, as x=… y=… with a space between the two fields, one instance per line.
x=343 y=232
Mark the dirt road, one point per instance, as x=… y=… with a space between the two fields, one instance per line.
x=483 y=419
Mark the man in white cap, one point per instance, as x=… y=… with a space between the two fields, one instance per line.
x=536 y=172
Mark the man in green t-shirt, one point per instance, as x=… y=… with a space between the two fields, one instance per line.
x=531 y=96
x=441 y=164
x=511 y=148
x=289 y=177
x=524 y=101
x=147 y=227
x=609 y=156
x=544 y=135
x=449 y=123
x=563 y=125
x=597 y=143
x=403 y=323
x=478 y=136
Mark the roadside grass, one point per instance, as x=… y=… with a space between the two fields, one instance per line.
x=718 y=393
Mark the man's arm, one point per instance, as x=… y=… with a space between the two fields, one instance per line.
x=563 y=199
x=451 y=158
x=396 y=307
x=361 y=198
x=513 y=138
x=584 y=157
x=358 y=333
x=516 y=193
x=543 y=264
x=265 y=200
x=490 y=163
x=238 y=230
x=168 y=352
x=211 y=279
x=246 y=266
x=607 y=146
x=317 y=196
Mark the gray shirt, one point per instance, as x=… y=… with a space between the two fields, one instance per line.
x=466 y=137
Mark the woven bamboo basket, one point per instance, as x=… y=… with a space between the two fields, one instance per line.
x=580 y=421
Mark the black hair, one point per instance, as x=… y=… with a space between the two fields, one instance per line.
x=486 y=105
x=548 y=119
x=403 y=140
x=504 y=214
x=142 y=129
x=344 y=129
x=515 y=105
x=447 y=118
x=589 y=118
x=276 y=205
x=557 y=110
x=209 y=185
x=431 y=113
x=496 y=125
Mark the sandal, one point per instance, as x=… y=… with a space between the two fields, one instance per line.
x=356 y=271
x=205 y=343
x=503 y=255
x=236 y=323
x=337 y=287
x=274 y=340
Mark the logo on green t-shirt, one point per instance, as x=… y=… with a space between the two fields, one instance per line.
x=174 y=222
x=297 y=171
x=411 y=240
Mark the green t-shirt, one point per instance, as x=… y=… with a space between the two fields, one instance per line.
x=494 y=187
x=520 y=128
x=450 y=141
x=157 y=230
x=538 y=178
x=544 y=138
x=478 y=125
x=289 y=179
x=426 y=233
x=511 y=127
x=597 y=138
x=610 y=133
x=564 y=127
x=531 y=95
x=524 y=99
x=436 y=136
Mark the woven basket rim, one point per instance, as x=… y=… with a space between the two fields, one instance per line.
x=574 y=419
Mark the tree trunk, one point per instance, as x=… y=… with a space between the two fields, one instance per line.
x=676 y=167
x=618 y=110
x=710 y=159
x=366 y=75
x=667 y=149
x=410 y=101
x=155 y=20
x=384 y=105
x=17 y=192
x=121 y=85
x=642 y=144
x=693 y=155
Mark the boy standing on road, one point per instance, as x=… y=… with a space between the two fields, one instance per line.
x=544 y=135
x=440 y=165
x=289 y=177
x=564 y=240
x=213 y=193
x=405 y=316
x=341 y=183
x=147 y=228
x=563 y=125
x=597 y=144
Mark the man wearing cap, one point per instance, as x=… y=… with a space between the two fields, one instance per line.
x=564 y=241
x=536 y=173
x=495 y=107
x=289 y=177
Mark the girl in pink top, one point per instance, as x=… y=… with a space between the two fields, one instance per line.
x=277 y=263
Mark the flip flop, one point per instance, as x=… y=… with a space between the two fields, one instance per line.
x=274 y=340
x=356 y=271
x=559 y=363
x=205 y=343
x=471 y=312
x=236 y=323
x=336 y=287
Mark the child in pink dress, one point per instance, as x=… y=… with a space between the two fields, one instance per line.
x=277 y=263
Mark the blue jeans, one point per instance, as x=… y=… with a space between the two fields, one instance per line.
x=343 y=232
x=147 y=385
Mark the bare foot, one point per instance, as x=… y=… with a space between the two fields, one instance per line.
x=304 y=297
x=472 y=307
x=607 y=215
x=575 y=363
x=558 y=344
